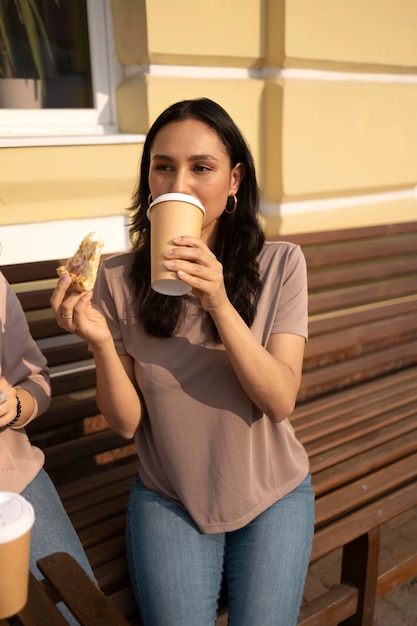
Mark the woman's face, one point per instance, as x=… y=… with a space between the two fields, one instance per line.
x=188 y=157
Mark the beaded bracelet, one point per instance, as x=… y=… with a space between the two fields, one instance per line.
x=18 y=412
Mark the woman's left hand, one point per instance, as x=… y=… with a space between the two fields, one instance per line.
x=8 y=402
x=197 y=266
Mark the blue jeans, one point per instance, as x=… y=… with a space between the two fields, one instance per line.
x=177 y=571
x=52 y=530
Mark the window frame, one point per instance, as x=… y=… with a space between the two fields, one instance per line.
x=105 y=72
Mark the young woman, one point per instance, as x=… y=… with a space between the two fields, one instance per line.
x=24 y=395
x=206 y=384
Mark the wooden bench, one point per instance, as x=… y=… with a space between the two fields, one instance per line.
x=357 y=408
x=356 y=416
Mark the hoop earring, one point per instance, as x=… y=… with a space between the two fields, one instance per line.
x=149 y=199
x=231 y=211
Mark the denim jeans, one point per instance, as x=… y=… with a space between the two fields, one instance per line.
x=177 y=571
x=52 y=530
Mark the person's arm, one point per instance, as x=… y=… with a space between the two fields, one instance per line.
x=17 y=405
x=117 y=396
x=270 y=376
x=24 y=384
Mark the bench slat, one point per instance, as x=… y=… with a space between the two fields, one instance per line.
x=367 y=488
x=330 y=608
x=363 y=294
x=345 y=373
x=328 y=323
x=360 y=522
x=351 y=273
x=332 y=460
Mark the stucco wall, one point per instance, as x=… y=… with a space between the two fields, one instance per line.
x=325 y=93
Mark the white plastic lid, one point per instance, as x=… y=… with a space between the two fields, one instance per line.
x=180 y=197
x=16 y=516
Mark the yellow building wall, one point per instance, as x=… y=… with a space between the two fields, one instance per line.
x=325 y=93
x=339 y=138
x=346 y=134
x=66 y=182
x=156 y=93
x=185 y=32
x=343 y=126
x=361 y=34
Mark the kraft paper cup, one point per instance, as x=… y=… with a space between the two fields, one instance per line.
x=16 y=520
x=171 y=215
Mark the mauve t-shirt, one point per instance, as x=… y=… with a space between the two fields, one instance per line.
x=202 y=442
x=23 y=365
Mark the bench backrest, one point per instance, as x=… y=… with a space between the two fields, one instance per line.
x=362 y=305
x=363 y=324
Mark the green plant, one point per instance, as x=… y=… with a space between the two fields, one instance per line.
x=29 y=16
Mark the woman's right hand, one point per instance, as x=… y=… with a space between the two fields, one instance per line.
x=76 y=313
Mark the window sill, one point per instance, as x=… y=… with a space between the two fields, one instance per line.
x=29 y=140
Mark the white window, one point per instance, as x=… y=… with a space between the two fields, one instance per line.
x=78 y=96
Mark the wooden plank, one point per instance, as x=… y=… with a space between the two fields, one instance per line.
x=354 y=371
x=102 y=531
x=73 y=490
x=397 y=568
x=362 y=463
x=124 y=601
x=359 y=272
x=364 y=443
x=101 y=511
x=349 y=435
x=104 y=492
x=45 y=327
x=337 y=427
x=332 y=253
x=74 y=381
x=348 y=234
x=32 y=301
x=363 y=391
x=337 y=320
x=361 y=294
x=68 y=353
x=360 y=567
x=366 y=489
x=25 y=272
x=66 y=409
x=326 y=407
x=106 y=552
x=332 y=607
x=113 y=574
x=39 y=609
x=89 y=605
x=357 y=340
x=84 y=447
x=391 y=391
x=359 y=522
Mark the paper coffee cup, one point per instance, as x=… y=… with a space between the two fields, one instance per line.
x=171 y=215
x=16 y=520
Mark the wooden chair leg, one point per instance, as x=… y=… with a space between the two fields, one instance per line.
x=360 y=568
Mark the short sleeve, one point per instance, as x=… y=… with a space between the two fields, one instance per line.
x=105 y=298
x=292 y=309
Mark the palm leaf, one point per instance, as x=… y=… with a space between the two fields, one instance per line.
x=30 y=18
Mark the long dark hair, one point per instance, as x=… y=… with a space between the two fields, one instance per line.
x=240 y=236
